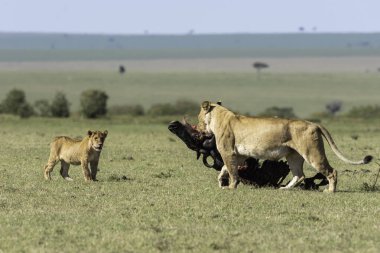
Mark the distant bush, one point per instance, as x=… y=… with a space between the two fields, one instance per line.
x=25 y=111
x=133 y=110
x=334 y=107
x=93 y=103
x=162 y=109
x=181 y=107
x=281 y=112
x=42 y=108
x=13 y=101
x=60 y=106
x=187 y=107
x=368 y=111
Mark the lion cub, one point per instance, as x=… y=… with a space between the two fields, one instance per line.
x=76 y=152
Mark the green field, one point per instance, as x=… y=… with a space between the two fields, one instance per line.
x=306 y=93
x=170 y=202
x=152 y=194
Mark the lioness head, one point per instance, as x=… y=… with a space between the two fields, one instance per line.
x=204 y=117
x=97 y=139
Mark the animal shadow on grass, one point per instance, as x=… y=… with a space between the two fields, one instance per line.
x=365 y=186
x=118 y=178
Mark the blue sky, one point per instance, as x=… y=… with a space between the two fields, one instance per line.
x=179 y=17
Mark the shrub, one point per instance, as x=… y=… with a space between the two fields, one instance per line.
x=162 y=109
x=187 y=107
x=281 y=112
x=42 y=108
x=13 y=101
x=25 y=110
x=334 y=107
x=180 y=107
x=60 y=106
x=134 y=110
x=368 y=111
x=93 y=103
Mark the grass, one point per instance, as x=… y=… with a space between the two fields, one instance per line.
x=306 y=93
x=153 y=196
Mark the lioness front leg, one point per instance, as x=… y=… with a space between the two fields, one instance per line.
x=231 y=164
x=94 y=169
x=223 y=177
x=86 y=170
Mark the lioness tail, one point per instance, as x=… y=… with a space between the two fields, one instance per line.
x=333 y=146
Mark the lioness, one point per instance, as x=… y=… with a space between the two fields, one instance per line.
x=76 y=152
x=239 y=137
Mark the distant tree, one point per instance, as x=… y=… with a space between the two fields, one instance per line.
x=25 y=110
x=42 y=108
x=259 y=66
x=60 y=106
x=121 y=69
x=334 y=107
x=93 y=103
x=13 y=101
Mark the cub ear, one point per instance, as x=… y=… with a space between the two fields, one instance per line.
x=206 y=105
x=219 y=102
x=89 y=132
x=105 y=132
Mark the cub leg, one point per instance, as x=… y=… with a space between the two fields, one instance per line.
x=65 y=171
x=295 y=162
x=49 y=167
x=86 y=170
x=94 y=169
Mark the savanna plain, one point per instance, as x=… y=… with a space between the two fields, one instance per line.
x=154 y=196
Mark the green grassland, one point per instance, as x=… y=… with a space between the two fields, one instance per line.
x=306 y=93
x=153 y=196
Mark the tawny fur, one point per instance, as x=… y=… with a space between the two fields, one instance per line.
x=76 y=152
x=239 y=137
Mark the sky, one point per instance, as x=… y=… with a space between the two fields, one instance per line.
x=189 y=16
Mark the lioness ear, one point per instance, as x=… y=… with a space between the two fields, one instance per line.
x=219 y=102
x=105 y=132
x=206 y=105
x=89 y=132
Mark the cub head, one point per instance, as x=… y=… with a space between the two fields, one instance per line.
x=204 y=116
x=97 y=139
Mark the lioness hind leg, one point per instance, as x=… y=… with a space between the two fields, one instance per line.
x=319 y=161
x=332 y=176
x=65 y=171
x=295 y=161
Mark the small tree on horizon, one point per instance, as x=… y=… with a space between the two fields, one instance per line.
x=334 y=107
x=13 y=101
x=259 y=66
x=60 y=106
x=93 y=103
